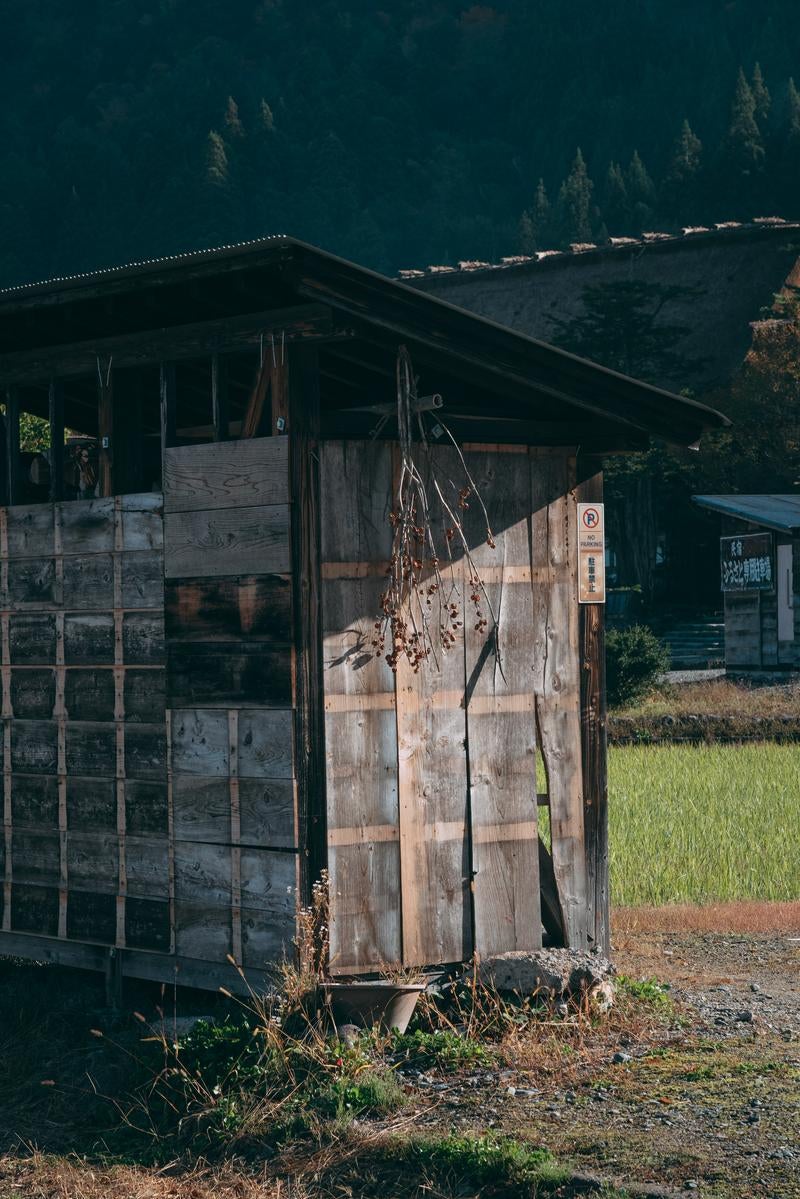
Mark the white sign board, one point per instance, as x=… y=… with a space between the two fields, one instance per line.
x=591 y=554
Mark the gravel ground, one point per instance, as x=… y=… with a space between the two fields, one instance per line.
x=708 y=1105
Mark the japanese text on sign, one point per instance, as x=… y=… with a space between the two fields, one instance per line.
x=746 y=562
x=591 y=554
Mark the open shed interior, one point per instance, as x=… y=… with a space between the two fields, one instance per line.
x=194 y=545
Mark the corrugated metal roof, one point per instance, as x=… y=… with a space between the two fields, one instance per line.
x=781 y=512
x=130 y=268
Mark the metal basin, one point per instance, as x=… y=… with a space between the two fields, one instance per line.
x=387 y=1004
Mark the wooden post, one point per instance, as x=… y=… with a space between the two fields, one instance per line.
x=168 y=436
x=593 y=737
x=12 y=444
x=301 y=375
x=56 y=413
x=105 y=428
x=280 y=386
x=219 y=397
x=554 y=574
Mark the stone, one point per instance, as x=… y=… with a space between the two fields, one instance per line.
x=601 y=997
x=349 y=1034
x=619 y=1059
x=744 y=1017
x=549 y=973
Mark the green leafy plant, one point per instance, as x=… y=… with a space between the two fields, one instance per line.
x=645 y=990
x=635 y=659
x=443 y=1047
x=488 y=1159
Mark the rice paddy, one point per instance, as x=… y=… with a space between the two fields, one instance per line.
x=703 y=824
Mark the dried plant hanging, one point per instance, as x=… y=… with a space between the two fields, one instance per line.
x=431 y=574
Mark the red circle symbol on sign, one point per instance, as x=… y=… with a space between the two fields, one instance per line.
x=591 y=518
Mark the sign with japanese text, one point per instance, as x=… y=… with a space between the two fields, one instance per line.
x=747 y=562
x=591 y=554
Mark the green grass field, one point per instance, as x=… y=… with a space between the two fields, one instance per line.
x=701 y=824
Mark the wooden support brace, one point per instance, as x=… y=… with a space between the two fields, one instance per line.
x=105 y=427
x=168 y=434
x=300 y=374
x=12 y=444
x=219 y=397
x=56 y=413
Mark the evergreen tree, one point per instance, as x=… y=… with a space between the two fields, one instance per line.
x=680 y=191
x=744 y=148
x=526 y=234
x=641 y=193
x=793 y=113
x=790 y=154
x=761 y=96
x=534 y=225
x=266 y=116
x=616 y=205
x=574 y=211
x=233 y=124
x=216 y=160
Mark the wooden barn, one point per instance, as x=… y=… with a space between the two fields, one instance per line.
x=759 y=579
x=196 y=719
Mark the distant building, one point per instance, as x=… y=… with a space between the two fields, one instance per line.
x=691 y=302
x=759 y=578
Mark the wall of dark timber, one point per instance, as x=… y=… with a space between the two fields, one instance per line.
x=147 y=710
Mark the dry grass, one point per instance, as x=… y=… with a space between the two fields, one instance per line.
x=718 y=697
x=41 y=1176
x=743 y=917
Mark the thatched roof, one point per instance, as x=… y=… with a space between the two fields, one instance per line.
x=732 y=270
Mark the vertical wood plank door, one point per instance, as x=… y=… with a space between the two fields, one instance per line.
x=435 y=859
x=360 y=718
x=501 y=724
x=431 y=775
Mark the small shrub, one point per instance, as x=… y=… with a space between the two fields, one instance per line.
x=635 y=658
x=490 y=1160
x=645 y=990
x=376 y=1093
x=441 y=1048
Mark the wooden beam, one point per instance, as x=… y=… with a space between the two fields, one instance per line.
x=306 y=322
x=168 y=435
x=12 y=445
x=219 y=397
x=105 y=427
x=55 y=399
x=593 y=737
x=302 y=375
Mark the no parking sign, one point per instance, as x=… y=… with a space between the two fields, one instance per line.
x=591 y=554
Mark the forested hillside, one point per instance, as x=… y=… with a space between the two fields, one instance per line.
x=396 y=136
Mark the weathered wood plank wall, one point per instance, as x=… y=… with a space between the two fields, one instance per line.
x=431 y=778
x=85 y=808
x=229 y=627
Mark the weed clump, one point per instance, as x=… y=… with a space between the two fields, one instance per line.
x=499 y=1163
x=442 y=1047
x=648 y=991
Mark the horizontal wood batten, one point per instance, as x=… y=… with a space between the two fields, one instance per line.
x=135 y=963
x=375 y=570
x=438 y=830
x=442 y=701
